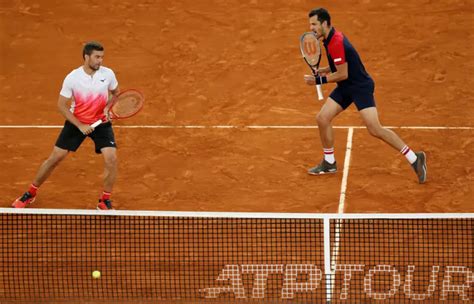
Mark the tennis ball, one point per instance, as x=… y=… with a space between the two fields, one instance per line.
x=96 y=274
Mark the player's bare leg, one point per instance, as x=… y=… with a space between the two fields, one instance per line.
x=110 y=167
x=110 y=175
x=370 y=117
x=328 y=112
x=417 y=160
x=48 y=166
x=44 y=171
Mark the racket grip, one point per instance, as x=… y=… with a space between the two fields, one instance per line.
x=320 y=92
x=95 y=124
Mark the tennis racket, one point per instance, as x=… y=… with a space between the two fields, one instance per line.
x=126 y=104
x=311 y=51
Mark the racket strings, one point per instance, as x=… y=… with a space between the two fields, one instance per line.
x=127 y=105
x=310 y=49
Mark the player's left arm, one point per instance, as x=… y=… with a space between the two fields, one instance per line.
x=113 y=88
x=113 y=93
x=338 y=55
x=342 y=73
x=339 y=75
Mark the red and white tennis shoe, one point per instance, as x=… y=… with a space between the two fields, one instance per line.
x=24 y=200
x=105 y=205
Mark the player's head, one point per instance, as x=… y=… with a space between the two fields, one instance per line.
x=93 y=54
x=320 y=21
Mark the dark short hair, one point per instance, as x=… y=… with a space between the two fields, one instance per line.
x=322 y=13
x=90 y=47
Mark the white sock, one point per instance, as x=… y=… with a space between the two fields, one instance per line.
x=329 y=155
x=409 y=154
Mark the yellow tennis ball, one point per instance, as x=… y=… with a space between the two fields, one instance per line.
x=96 y=274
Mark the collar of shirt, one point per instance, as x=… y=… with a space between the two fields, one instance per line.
x=328 y=39
x=93 y=74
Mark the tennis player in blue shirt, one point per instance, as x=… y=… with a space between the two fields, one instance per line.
x=354 y=85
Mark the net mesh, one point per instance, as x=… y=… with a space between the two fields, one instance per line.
x=128 y=104
x=175 y=259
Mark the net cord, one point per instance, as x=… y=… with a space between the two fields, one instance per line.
x=240 y=214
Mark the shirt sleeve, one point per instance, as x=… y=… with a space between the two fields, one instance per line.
x=336 y=50
x=66 y=90
x=113 y=81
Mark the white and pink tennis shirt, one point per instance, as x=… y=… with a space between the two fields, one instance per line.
x=89 y=93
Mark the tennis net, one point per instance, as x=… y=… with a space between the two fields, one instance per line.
x=48 y=256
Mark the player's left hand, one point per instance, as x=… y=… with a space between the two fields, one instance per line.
x=107 y=114
x=309 y=79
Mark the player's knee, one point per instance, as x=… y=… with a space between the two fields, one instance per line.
x=323 y=120
x=55 y=158
x=375 y=131
x=111 y=161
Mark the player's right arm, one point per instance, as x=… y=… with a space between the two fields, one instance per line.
x=309 y=79
x=63 y=106
x=324 y=71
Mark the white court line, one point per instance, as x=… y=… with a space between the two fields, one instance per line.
x=340 y=210
x=238 y=127
x=345 y=173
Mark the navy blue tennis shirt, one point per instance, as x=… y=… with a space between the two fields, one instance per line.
x=339 y=50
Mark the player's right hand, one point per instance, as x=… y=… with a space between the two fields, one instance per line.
x=309 y=79
x=85 y=129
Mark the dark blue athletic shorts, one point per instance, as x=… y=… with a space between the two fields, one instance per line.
x=71 y=137
x=363 y=98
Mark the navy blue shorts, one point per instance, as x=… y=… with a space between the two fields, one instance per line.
x=71 y=137
x=363 y=98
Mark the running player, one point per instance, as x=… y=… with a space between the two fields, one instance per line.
x=87 y=87
x=354 y=84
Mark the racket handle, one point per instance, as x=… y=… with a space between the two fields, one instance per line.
x=95 y=124
x=320 y=92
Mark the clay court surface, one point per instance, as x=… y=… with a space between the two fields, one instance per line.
x=237 y=63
